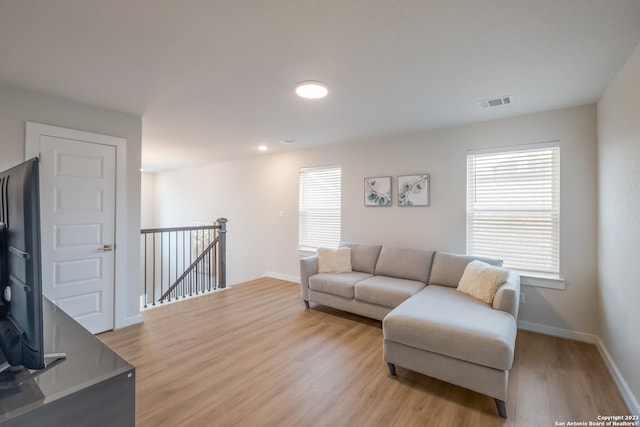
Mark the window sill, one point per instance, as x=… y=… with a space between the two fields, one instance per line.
x=548 y=282
x=306 y=252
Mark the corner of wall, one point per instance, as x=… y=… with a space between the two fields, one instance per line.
x=624 y=389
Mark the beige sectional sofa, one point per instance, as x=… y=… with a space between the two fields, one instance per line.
x=429 y=326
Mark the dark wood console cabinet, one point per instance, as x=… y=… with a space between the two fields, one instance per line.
x=93 y=386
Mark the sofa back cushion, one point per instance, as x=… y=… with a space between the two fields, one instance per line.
x=405 y=263
x=363 y=257
x=448 y=268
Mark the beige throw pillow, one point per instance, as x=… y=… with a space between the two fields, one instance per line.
x=481 y=280
x=334 y=260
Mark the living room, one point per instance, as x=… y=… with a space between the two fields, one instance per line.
x=599 y=141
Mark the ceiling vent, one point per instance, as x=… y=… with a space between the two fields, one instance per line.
x=495 y=102
x=288 y=141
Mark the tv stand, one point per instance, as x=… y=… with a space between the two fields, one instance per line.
x=92 y=386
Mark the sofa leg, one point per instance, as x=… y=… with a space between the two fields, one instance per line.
x=502 y=409
x=392 y=369
x=306 y=303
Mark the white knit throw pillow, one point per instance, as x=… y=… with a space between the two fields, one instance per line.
x=334 y=260
x=481 y=280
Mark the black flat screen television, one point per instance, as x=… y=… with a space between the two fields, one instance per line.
x=21 y=328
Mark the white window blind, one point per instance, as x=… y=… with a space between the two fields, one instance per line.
x=513 y=207
x=319 y=210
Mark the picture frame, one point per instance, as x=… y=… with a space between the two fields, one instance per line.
x=413 y=190
x=377 y=191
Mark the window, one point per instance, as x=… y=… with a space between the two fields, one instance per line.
x=513 y=207
x=320 y=199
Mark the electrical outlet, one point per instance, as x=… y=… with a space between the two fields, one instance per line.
x=521 y=297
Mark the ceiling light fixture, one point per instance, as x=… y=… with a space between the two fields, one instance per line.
x=312 y=89
x=262 y=147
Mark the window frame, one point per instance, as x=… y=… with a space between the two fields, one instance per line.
x=543 y=267
x=312 y=202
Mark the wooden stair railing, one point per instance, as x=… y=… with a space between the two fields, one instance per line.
x=182 y=261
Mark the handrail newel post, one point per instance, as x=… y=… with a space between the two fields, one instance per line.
x=222 y=255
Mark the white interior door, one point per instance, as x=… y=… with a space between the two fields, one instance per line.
x=77 y=202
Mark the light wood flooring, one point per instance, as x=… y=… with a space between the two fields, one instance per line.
x=252 y=355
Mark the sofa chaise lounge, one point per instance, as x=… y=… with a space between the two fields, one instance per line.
x=430 y=323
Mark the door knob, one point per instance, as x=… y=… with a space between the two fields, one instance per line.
x=105 y=248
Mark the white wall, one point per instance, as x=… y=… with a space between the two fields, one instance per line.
x=619 y=225
x=252 y=192
x=18 y=106
x=148 y=200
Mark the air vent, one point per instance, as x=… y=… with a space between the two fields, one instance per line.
x=495 y=102
x=288 y=141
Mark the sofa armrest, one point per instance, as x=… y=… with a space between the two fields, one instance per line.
x=308 y=267
x=507 y=297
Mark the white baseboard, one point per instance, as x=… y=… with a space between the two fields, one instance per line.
x=557 y=332
x=286 y=277
x=627 y=395
x=128 y=321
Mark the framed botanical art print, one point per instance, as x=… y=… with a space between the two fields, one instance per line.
x=413 y=190
x=377 y=191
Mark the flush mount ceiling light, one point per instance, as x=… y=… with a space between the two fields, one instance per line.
x=262 y=147
x=312 y=89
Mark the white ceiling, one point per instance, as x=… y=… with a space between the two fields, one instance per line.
x=213 y=79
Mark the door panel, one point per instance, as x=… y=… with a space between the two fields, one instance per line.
x=78 y=221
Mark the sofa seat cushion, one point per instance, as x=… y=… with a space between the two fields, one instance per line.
x=442 y=320
x=387 y=291
x=340 y=284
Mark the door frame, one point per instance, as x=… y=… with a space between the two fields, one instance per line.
x=33 y=132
